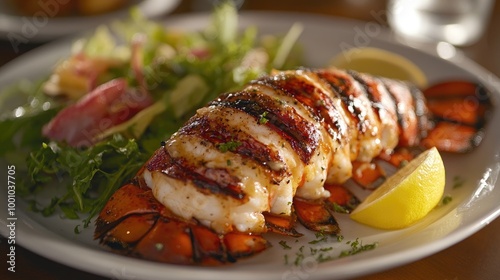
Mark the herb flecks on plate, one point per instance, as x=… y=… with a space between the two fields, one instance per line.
x=323 y=248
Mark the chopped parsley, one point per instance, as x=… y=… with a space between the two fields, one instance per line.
x=319 y=103
x=284 y=245
x=263 y=119
x=323 y=254
x=340 y=238
x=320 y=237
x=159 y=246
x=339 y=209
x=229 y=146
x=447 y=199
x=299 y=256
x=458 y=182
x=357 y=247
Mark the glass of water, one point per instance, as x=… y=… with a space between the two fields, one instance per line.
x=458 y=22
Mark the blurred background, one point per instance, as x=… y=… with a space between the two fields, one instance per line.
x=481 y=48
x=95 y=11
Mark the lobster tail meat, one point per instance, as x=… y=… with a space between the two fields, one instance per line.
x=216 y=158
x=258 y=159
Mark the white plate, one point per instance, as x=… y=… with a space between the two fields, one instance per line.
x=42 y=27
x=474 y=205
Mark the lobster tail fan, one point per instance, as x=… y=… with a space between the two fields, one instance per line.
x=460 y=111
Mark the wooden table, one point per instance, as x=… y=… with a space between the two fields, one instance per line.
x=477 y=257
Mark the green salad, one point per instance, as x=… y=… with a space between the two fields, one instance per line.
x=171 y=73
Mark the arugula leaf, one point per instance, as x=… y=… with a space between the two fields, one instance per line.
x=25 y=132
x=95 y=172
x=21 y=127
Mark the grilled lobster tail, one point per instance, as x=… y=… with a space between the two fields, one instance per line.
x=279 y=150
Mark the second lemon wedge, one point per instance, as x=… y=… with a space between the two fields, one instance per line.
x=380 y=62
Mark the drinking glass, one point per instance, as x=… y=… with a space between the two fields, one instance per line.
x=458 y=22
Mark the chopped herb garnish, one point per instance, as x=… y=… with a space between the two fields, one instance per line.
x=324 y=258
x=284 y=245
x=447 y=199
x=356 y=248
x=403 y=163
x=319 y=239
x=313 y=250
x=323 y=254
x=229 y=146
x=320 y=103
x=263 y=119
x=159 y=246
x=458 y=182
x=340 y=238
x=280 y=101
x=339 y=209
x=298 y=259
x=316 y=241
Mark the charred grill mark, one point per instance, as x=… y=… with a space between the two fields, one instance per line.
x=370 y=89
x=217 y=133
x=180 y=170
x=159 y=161
x=317 y=102
x=401 y=121
x=405 y=116
x=421 y=111
x=301 y=134
x=344 y=86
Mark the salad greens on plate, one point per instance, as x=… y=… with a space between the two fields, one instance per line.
x=177 y=71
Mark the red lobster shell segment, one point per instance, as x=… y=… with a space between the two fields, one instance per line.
x=279 y=151
x=135 y=223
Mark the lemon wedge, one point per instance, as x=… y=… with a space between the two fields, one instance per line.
x=407 y=196
x=380 y=63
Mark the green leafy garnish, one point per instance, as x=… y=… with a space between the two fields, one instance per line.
x=284 y=245
x=339 y=209
x=458 y=182
x=263 y=119
x=95 y=174
x=357 y=247
x=229 y=146
x=446 y=199
x=328 y=253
